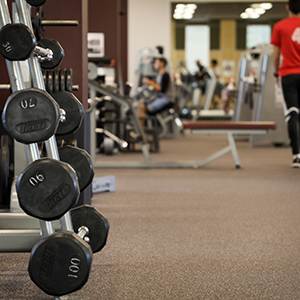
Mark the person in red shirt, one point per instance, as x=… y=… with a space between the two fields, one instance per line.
x=286 y=42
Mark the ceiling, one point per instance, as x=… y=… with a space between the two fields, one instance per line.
x=230 y=10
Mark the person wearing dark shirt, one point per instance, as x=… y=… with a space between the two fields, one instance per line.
x=201 y=76
x=162 y=84
x=286 y=41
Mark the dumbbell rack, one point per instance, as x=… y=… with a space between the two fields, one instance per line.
x=17 y=84
x=12 y=237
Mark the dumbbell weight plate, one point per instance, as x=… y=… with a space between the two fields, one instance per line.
x=39 y=29
x=74 y=112
x=6 y=172
x=81 y=162
x=45 y=76
x=36 y=2
x=97 y=224
x=62 y=81
x=58 y=53
x=56 y=80
x=92 y=71
x=60 y=263
x=47 y=189
x=49 y=85
x=69 y=80
x=30 y=116
x=16 y=42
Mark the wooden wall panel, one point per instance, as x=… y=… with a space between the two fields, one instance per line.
x=104 y=17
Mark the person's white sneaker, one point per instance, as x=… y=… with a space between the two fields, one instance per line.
x=296 y=162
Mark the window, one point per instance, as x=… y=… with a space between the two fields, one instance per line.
x=197 y=44
x=257 y=34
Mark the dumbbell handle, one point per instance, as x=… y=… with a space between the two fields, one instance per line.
x=4 y=86
x=82 y=232
x=63 y=115
x=43 y=53
x=7 y=87
x=59 y=23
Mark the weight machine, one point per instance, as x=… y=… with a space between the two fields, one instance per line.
x=128 y=111
x=259 y=98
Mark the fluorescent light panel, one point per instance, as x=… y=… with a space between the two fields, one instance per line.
x=256 y=10
x=184 y=11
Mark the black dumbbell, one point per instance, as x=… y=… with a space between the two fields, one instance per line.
x=74 y=112
x=62 y=82
x=56 y=80
x=52 y=82
x=31 y=116
x=17 y=42
x=60 y=263
x=96 y=223
x=39 y=23
x=69 y=80
x=81 y=162
x=58 y=53
x=47 y=189
x=6 y=170
x=36 y=2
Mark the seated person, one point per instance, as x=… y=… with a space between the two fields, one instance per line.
x=162 y=85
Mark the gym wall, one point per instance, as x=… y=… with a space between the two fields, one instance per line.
x=106 y=17
x=72 y=39
x=149 y=25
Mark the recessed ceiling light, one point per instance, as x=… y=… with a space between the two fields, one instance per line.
x=192 y=6
x=260 y=10
x=189 y=11
x=244 y=15
x=184 y=11
x=187 y=16
x=250 y=10
x=177 y=16
x=266 y=6
x=179 y=11
x=254 y=15
x=256 y=5
x=180 y=6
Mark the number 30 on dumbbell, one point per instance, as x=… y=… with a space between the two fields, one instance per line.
x=17 y=42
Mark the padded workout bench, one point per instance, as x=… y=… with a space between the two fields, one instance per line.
x=230 y=129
